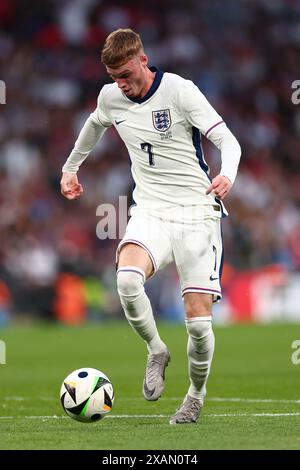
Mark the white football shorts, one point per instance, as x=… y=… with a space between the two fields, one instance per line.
x=195 y=246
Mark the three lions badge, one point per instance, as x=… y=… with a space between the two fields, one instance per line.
x=161 y=120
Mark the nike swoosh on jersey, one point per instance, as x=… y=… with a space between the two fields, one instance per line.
x=119 y=122
x=213 y=278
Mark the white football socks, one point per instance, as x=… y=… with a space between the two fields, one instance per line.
x=200 y=352
x=137 y=307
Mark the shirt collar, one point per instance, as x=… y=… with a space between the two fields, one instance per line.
x=156 y=82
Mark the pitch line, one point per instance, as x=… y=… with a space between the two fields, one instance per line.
x=251 y=400
x=213 y=399
x=226 y=399
x=208 y=415
x=260 y=415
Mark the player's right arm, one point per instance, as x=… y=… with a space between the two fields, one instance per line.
x=90 y=134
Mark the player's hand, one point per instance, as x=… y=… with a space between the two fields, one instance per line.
x=220 y=185
x=70 y=188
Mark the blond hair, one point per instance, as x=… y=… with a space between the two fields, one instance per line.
x=120 y=46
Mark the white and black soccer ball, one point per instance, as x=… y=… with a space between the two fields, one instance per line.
x=87 y=395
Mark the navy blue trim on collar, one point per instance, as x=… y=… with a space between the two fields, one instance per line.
x=153 y=88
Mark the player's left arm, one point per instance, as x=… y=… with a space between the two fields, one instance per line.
x=230 y=149
x=201 y=114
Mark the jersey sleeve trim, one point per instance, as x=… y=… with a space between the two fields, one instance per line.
x=212 y=127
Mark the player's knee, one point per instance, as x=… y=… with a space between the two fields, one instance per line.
x=130 y=282
x=199 y=327
x=195 y=303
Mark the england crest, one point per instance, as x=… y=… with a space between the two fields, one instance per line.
x=161 y=120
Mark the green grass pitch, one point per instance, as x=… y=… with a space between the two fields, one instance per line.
x=253 y=399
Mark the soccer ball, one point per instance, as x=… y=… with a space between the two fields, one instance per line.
x=87 y=395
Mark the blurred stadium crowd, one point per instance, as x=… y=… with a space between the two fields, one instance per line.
x=244 y=56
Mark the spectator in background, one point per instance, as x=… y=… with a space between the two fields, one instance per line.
x=49 y=63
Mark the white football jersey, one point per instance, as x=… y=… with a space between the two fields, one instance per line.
x=162 y=134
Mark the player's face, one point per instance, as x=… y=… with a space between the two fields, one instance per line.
x=131 y=77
